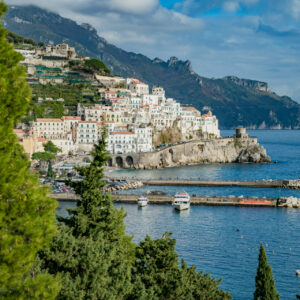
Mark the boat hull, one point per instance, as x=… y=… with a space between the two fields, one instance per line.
x=181 y=206
x=142 y=203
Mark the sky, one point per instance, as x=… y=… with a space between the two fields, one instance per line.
x=254 y=39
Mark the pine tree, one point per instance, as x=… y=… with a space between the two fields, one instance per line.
x=157 y=275
x=92 y=252
x=27 y=221
x=264 y=282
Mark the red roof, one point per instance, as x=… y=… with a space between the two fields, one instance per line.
x=70 y=118
x=122 y=132
x=87 y=122
x=18 y=131
x=136 y=81
x=42 y=139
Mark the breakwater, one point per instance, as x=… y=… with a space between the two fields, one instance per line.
x=195 y=200
x=216 y=183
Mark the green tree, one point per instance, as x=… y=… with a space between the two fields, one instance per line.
x=264 y=282
x=51 y=148
x=96 y=65
x=157 y=275
x=47 y=156
x=91 y=251
x=43 y=156
x=27 y=221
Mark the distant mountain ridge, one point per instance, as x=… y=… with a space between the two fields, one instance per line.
x=235 y=101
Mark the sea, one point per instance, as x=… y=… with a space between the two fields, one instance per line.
x=224 y=241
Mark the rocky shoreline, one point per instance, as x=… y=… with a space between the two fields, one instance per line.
x=238 y=149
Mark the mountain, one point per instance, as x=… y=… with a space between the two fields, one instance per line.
x=235 y=101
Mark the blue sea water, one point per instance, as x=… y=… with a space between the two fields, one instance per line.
x=208 y=237
x=283 y=146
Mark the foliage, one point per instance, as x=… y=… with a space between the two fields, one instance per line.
x=96 y=65
x=157 y=275
x=41 y=44
x=17 y=39
x=27 y=220
x=264 y=282
x=168 y=135
x=91 y=251
x=51 y=148
x=71 y=93
x=237 y=143
x=43 y=156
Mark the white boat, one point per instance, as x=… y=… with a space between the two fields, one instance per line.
x=142 y=201
x=181 y=201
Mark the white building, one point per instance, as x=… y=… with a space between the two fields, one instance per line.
x=137 y=87
x=120 y=142
x=88 y=132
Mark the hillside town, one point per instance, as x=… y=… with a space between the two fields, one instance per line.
x=134 y=115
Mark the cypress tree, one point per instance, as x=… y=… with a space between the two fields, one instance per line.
x=91 y=251
x=264 y=282
x=27 y=221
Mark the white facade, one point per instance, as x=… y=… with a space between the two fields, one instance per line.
x=121 y=142
x=88 y=132
x=137 y=87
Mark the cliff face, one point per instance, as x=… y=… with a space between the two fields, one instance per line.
x=253 y=84
x=226 y=150
x=235 y=101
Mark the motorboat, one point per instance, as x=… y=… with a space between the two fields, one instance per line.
x=142 y=201
x=181 y=201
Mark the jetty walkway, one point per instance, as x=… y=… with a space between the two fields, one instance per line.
x=215 y=183
x=195 y=200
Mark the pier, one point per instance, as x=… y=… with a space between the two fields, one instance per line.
x=195 y=200
x=216 y=183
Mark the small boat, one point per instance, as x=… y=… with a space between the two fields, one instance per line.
x=181 y=201
x=142 y=201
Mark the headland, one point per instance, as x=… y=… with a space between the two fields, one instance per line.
x=241 y=148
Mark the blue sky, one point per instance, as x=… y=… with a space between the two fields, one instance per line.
x=256 y=39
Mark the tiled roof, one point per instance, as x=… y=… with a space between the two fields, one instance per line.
x=41 y=139
x=18 y=131
x=48 y=120
x=122 y=132
x=70 y=118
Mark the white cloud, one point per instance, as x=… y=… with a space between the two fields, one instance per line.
x=295 y=8
x=132 y=6
x=231 y=6
x=137 y=7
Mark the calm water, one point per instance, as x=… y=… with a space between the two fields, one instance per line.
x=207 y=236
x=283 y=146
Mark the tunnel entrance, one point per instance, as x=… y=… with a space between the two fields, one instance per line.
x=129 y=161
x=119 y=162
x=109 y=162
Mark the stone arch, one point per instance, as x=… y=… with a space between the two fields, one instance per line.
x=110 y=162
x=129 y=161
x=119 y=161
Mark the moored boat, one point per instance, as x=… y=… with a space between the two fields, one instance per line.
x=142 y=201
x=181 y=201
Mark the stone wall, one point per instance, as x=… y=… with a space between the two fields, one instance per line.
x=223 y=150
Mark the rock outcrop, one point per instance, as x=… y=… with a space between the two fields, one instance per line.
x=224 y=150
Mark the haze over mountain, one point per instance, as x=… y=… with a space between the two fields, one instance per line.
x=236 y=102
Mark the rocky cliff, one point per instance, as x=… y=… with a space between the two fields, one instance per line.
x=224 y=150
